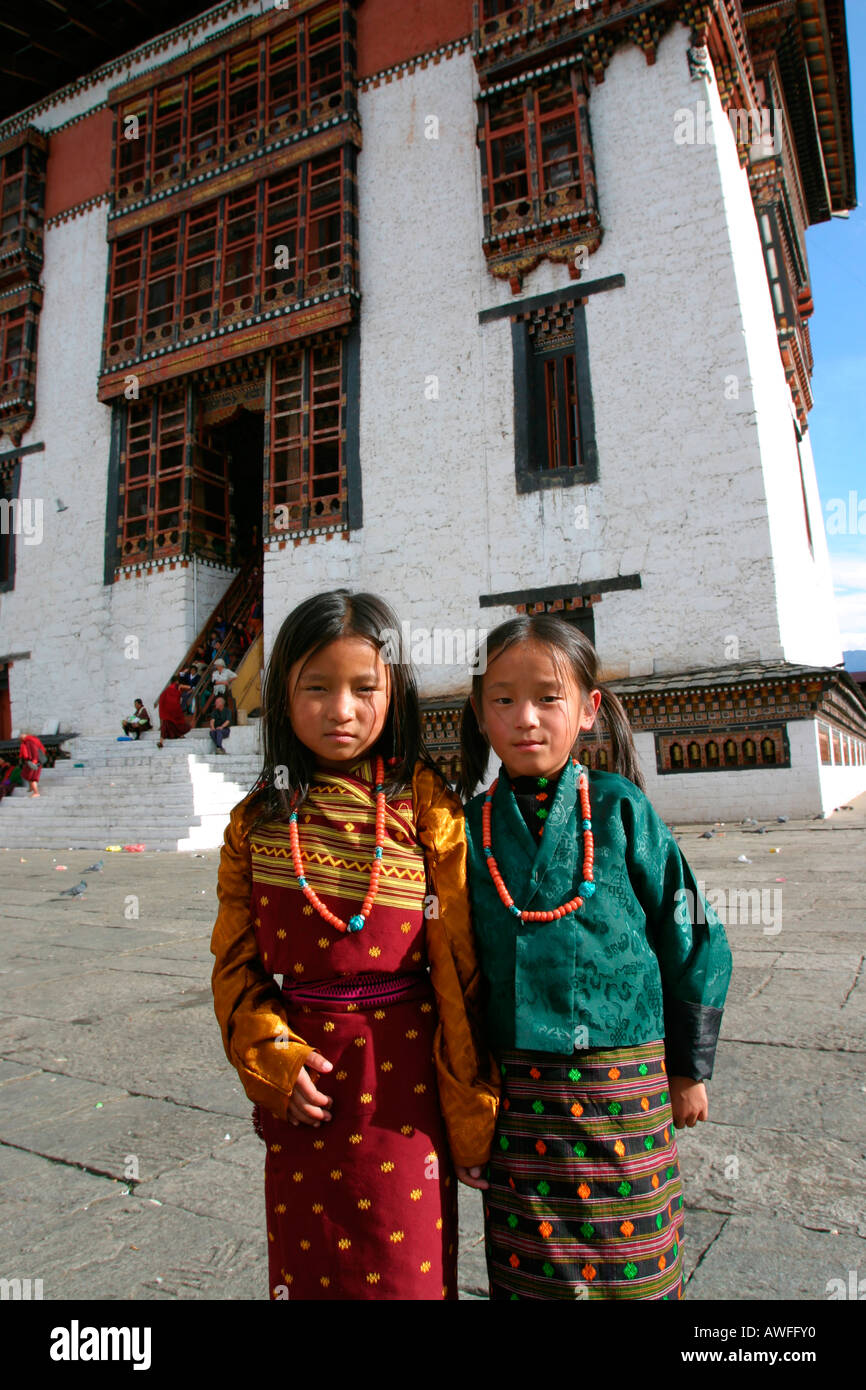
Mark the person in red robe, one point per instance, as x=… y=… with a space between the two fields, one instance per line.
x=172 y=720
x=32 y=755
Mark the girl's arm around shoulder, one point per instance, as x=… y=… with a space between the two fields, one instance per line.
x=468 y=1077
x=256 y=1037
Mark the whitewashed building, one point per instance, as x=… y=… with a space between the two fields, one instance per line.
x=484 y=307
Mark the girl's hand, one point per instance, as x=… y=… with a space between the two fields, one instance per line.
x=307 y=1105
x=471 y=1176
x=688 y=1101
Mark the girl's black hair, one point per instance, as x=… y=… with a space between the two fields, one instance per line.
x=309 y=627
x=574 y=650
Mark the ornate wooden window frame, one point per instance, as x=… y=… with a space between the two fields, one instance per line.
x=236 y=73
x=553 y=222
x=320 y=237
x=22 y=202
x=310 y=403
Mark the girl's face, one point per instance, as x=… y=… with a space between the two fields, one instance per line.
x=338 y=701
x=531 y=711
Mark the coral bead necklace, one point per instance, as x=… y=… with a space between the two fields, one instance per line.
x=355 y=923
x=587 y=887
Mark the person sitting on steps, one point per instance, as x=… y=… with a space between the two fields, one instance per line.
x=220 y=724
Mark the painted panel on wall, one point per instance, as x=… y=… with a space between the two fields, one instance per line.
x=79 y=163
x=389 y=34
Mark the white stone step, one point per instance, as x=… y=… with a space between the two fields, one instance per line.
x=176 y=797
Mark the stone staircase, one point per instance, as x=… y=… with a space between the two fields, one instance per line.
x=177 y=797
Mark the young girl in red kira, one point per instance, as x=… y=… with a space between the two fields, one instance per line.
x=606 y=982
x=344 y=872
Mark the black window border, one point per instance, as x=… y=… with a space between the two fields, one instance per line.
x=530 y=412
x=529 y=437
x=10 y=463
x=7 y=580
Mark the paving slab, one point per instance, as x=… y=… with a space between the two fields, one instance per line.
x=766 y=1258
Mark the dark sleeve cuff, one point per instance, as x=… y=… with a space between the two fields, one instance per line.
x=691 y=1035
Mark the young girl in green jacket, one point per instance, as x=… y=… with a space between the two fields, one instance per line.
x=607 y=973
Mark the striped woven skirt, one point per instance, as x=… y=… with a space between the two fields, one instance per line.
x=585 y=1199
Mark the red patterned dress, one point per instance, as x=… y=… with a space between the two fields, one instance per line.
x=364 y=1206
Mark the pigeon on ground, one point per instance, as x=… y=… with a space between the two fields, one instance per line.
x=761 y=830
x=781 y=819
x=708 y=834
x=74 y=892
x=95 y=868
x=750 y=820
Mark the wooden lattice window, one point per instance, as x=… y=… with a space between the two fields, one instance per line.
x=324 y=238
x=22 y=197
x=557 y=122
x=162 y=274
x=491 y=8
x=167 y=150
x=131 y=160
x=242 y=98
x=200 y=268
x=283 y=82
x=15 y=351
x=324 y=63
x=290 y=78
x=307 y=485
x=124 y=291
x=170 y=459
x=153 y=462
x=249 y=251
x=535 y=159
x=204 y=118
x=280 y=252
x=239 y=257
x=12 y=171
x=560 y=401
x=210 y=499
x=508 y=156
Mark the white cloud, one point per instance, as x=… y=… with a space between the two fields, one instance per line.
x=849 y=581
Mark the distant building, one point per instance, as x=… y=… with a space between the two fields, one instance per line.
x=488 y=307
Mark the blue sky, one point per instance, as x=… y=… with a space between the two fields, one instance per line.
x=837 y=260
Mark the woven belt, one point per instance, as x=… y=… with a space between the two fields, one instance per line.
x=361 y=989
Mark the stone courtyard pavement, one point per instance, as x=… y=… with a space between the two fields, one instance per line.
x=129 y=1169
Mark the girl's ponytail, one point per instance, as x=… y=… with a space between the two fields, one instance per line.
x=625 y=759
x=474 y=748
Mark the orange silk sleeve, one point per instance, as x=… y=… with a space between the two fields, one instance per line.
x=247 y=1003
x=467 y=1075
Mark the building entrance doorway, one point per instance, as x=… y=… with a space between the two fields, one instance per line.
x=233 y=451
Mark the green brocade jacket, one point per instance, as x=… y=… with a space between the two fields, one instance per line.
x=645 y=958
